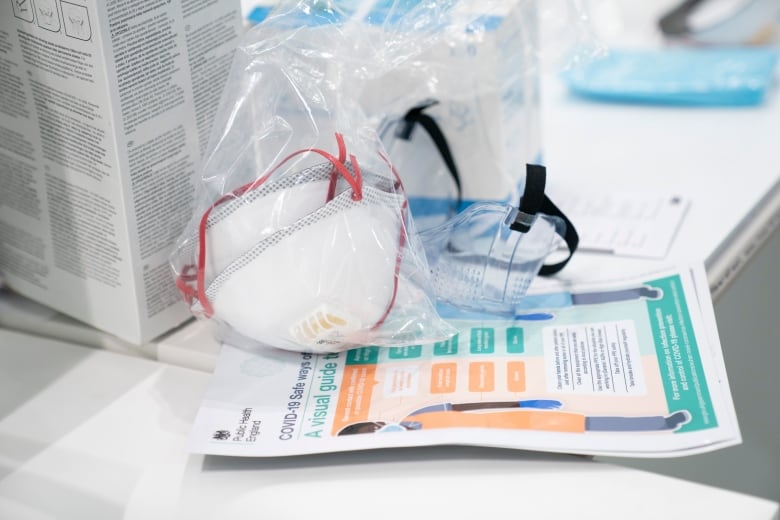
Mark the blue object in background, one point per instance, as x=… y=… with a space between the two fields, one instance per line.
x=734 y=76
x=258 y=14
x=323 y=14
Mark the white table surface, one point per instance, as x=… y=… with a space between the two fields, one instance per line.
x=86 y=433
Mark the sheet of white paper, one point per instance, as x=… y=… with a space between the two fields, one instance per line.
x=624 y=223
x=600 y=368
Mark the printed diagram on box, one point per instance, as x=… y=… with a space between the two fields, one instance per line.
x=73 y=18
x=48 y=15
x=76 y=21
x=23 y=9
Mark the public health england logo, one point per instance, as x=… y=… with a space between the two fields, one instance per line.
x=221 y=435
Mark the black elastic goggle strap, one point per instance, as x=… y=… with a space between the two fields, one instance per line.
x=535 y=201
x=417 y=116
x=532 y=199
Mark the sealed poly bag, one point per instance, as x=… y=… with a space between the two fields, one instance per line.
x=302 y=237
x=461 y=119
x=485 y=258
x=315 y=254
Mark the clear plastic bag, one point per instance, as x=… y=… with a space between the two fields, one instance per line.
x=311 y=256
x=302 y=237
x=462 y=118
x=485 y=258
x=480 y=264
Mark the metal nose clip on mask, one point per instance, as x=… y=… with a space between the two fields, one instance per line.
x=484 y=258
x=307 y=261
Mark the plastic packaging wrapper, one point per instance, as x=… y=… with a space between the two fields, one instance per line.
x=484 y=259
x=480 y=264
x=312 y=256
x=302 y=237
x=463 y=117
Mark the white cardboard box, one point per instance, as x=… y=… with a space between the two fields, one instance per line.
x=105 y=109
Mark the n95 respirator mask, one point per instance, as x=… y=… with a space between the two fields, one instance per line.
x=316 y=260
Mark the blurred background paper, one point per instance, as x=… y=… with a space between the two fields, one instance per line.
x=625 y=223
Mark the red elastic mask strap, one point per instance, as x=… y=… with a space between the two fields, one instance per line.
x=402 y=238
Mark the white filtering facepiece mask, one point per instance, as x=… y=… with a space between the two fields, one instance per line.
x=306 y=262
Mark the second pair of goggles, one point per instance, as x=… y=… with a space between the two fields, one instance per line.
x=485 y=258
